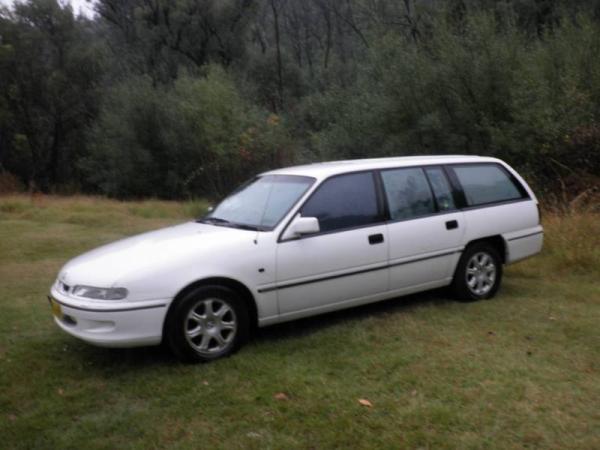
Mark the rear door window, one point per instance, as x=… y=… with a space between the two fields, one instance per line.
x=441 y=188
x=408 y=193
x=486 y=183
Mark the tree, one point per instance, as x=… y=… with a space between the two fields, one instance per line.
x=49 y=69
x=196 y=137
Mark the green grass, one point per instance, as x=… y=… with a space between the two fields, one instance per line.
x=522 y=370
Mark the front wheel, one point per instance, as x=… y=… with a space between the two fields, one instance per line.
x=207 y=323
x=478 y=274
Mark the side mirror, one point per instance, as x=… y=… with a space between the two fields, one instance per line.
x=301 y=226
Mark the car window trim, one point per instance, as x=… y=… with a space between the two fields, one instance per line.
x=382 y=200
x=436 y=206
x=424 y=172
x=457 y=194
x=442 y=169
x=524 y=195
x=380 y=212
x=424 y=216
x=382 y=204
x=493 y=204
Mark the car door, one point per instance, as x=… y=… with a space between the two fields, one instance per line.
x=346 y=260
x=425 y=228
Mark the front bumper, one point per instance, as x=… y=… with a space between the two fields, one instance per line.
x=111 y=323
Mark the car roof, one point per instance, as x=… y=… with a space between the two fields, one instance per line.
x=326 y=169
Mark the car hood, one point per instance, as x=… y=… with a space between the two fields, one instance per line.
x=110 y=264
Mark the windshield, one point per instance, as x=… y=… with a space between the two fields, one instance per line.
x=261 y=203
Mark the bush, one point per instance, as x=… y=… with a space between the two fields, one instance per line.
x=198 y=137
x=481 y=87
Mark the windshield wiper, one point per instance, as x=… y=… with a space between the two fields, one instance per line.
x=227 y=223
x=243 y=226
x=214 y=220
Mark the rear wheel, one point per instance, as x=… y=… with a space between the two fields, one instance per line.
x=478 y=274
x=207 y=323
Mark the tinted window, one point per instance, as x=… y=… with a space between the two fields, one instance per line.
x=441 y=188
x=486 y=184
x=408 y=193
x=343 y=202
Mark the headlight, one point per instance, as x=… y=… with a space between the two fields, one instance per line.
x=100 y=293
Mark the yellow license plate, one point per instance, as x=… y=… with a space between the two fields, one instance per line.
x=56 y=310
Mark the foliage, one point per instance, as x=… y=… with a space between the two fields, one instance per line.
x=49 y=70
x=175 y=98
x=477 y=91
x=195 y=137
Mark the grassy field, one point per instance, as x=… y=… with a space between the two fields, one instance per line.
x=522 y=370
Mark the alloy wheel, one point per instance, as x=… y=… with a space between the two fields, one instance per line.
x=481 y=273
x=210 y=326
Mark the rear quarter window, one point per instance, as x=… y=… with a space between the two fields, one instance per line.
x=487 y=183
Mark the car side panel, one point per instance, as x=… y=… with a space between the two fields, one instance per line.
x=509 y=220
x=423 y=250
x=523 y=244
x=331 y=268
x=352 y=302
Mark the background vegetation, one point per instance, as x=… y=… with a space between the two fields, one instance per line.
x=186 y=98
x=518 y=371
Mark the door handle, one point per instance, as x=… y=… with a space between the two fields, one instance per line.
x=451 y=224
x=376 y=239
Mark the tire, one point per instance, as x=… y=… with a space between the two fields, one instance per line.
x=208 y=323
x=478 y=274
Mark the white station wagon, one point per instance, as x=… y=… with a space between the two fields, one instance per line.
x=301 y=241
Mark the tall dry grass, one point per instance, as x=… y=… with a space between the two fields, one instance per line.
x=571 y=240
x=79 y=208
x=572 y=233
